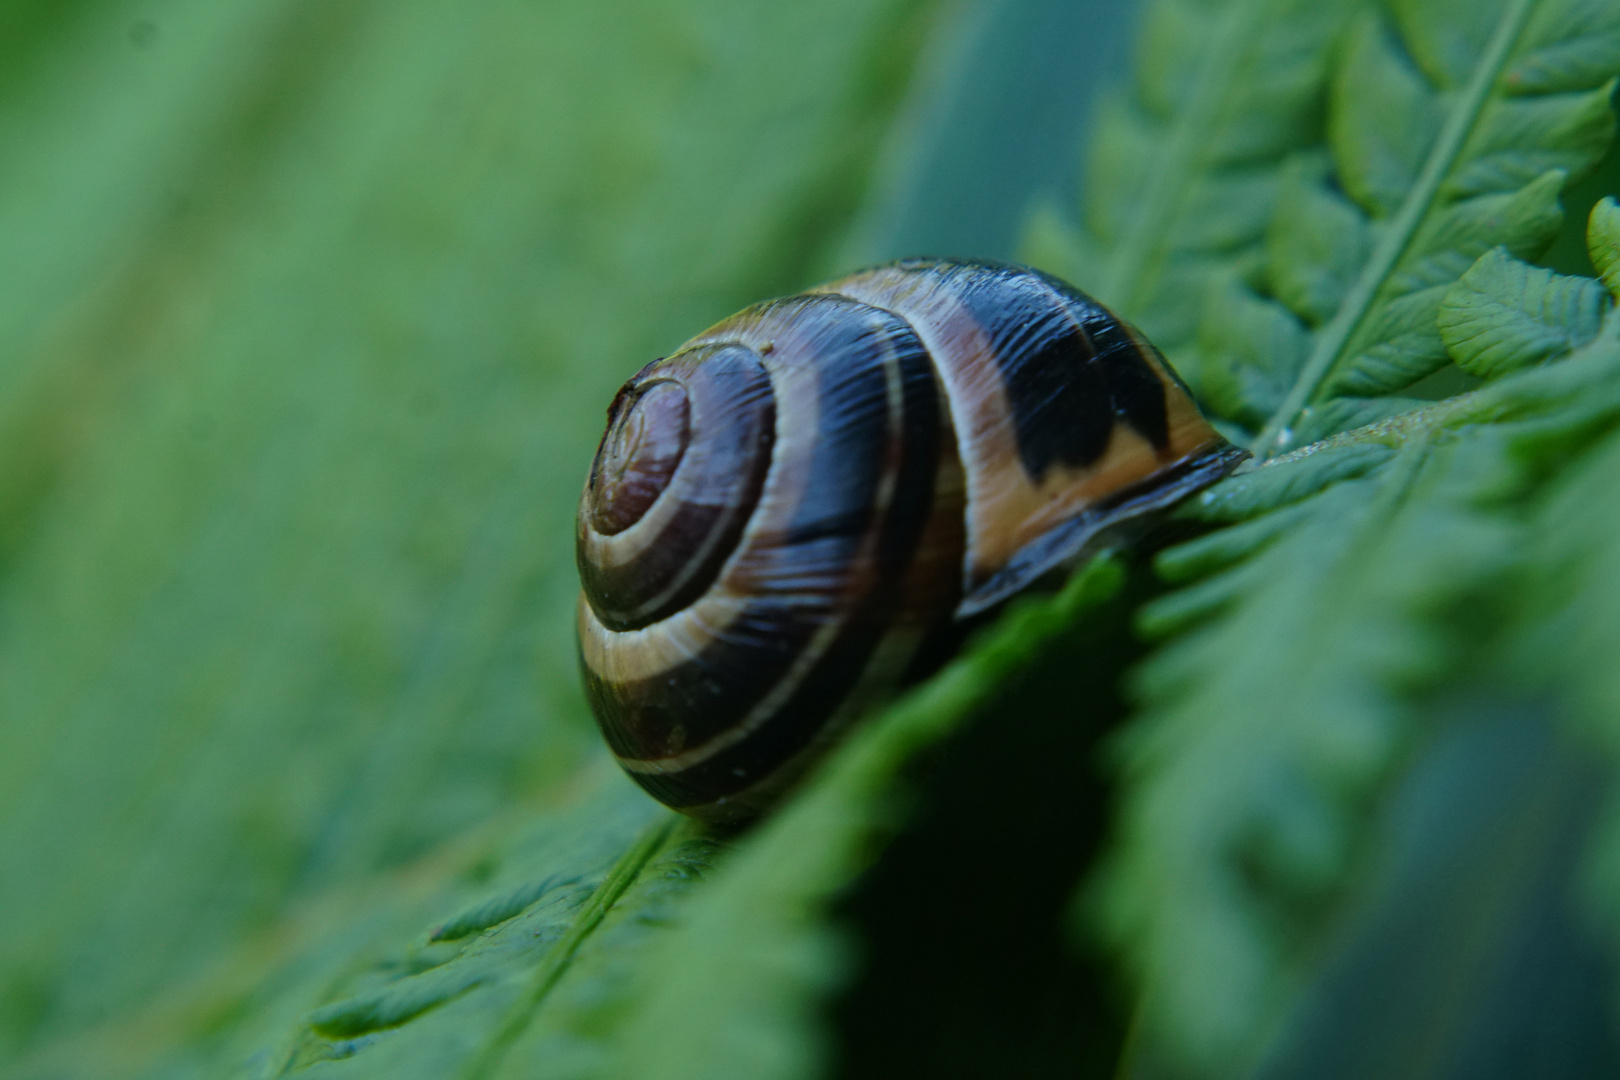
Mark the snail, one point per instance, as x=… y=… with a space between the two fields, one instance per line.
x=800 y=502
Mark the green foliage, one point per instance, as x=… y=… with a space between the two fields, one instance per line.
x=306 y=336
x=1603 y=240
x=307 y=321
x=1356 y=582
x=1446 y=145
x=1184 y=165
x=1264 y=758
x=1313 y=634
x=1503 y=314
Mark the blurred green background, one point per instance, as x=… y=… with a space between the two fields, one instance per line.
x=309 y=310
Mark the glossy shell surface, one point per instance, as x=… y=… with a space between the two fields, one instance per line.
x=783 y=512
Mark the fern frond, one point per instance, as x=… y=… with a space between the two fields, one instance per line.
x=1183 y=165
x=1259 y=759
x=1452 y=129
x=1325 y=604
x=1570 y=642
x=1305 y=635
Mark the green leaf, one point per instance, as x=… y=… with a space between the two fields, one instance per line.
x=393 y=974
x=1569 y=45
x=1261 y=756
x=1051 y=241
x=313 y=312
x=1356 y=576
x=443 y=999
x=1564 y=646
x=1251 y=349
x=1460 y=942
x=1603 y=242
x=1315 y=244
x=1519 y=139
x=1186 y=608
x=1220 y=549
x=309 y=315
x=1379 y=160
x=1257 y=491
x=1503 y=314
x=1246 y=783
x=1434 y=131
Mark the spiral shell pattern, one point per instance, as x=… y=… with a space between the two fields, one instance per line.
x=783 y=512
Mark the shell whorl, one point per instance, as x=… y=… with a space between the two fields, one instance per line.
x=679 y=472
x=811 y=525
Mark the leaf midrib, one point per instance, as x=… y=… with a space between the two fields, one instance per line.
x=557 y=960
x=1334 y=340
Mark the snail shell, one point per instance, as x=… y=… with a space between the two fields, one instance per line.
x=784 y=513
